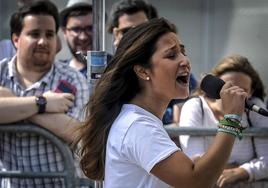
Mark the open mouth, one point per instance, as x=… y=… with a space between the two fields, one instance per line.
x=182 y=79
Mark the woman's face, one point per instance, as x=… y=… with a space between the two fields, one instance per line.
x=170 y=70
x=239 y=79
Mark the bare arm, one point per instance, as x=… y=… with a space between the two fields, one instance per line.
x=60 y=124
x=179 y=171
x=14 y=109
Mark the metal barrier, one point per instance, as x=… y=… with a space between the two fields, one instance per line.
x=68 y=174
x=174 y=130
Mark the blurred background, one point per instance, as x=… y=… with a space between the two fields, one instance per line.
x=210 y=29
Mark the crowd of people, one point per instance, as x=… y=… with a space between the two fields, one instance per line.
x=117 y=128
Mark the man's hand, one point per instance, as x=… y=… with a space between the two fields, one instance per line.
x=231 y=176
x=58 y=102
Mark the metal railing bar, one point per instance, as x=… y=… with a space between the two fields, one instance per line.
x=62 y=147
x=204 y=131
x=19 y=174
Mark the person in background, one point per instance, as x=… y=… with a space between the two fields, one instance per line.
x=123 y=141
x=249 y=158
x=34 y=88
x=126 y=14
x=7 y=49
x=77 y=26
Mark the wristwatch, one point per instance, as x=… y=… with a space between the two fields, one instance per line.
x=41 y=102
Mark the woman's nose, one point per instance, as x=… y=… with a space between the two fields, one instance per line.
x=185 y=62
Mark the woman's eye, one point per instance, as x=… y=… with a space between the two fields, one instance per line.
x=172 y=55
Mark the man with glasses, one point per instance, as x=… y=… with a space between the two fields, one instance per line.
x=126 y=14
x=76 y=23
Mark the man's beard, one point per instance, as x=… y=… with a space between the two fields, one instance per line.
x=75 y=55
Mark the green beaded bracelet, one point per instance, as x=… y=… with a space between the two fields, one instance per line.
x=230 y=123
x=236 y=131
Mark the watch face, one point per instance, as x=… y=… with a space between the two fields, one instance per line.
x=41 y=100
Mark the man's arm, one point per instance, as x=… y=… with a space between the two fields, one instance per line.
x=13 y=109
x=62 y=125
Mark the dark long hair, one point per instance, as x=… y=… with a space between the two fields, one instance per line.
x=118 y=85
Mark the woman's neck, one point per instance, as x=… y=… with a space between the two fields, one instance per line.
x=151 y=104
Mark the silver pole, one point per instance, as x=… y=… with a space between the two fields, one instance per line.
x=98 y=25
x=98 y=40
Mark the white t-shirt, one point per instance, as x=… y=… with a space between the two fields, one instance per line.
x=242 y=152
x=136 y=142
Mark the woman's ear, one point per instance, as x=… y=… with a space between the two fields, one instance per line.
x=141 y=72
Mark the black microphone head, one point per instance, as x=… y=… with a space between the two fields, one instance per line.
x=212 y=85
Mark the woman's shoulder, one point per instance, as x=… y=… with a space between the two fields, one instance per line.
x=194 y=102
x=258 y=102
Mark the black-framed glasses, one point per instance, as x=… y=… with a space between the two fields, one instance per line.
x=78 y=30
x=124 y=30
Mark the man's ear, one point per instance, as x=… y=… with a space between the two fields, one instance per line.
x=116 y=36
x=141 y=72
x=115 y=31
x=15 y=40
x=64 y=31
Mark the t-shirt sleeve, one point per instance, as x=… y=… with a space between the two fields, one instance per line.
x=191 y=116
x=147 y=143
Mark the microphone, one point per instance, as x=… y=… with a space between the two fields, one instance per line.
x=212 y=85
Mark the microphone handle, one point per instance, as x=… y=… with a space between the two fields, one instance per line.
x=251 y=106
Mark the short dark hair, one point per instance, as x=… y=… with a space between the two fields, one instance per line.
x=76 y=10
x=129 y=7
x=42 y=7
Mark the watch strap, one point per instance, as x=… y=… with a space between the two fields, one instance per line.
x=41 y=104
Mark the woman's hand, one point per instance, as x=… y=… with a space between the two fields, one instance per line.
x=231 y=176
x=233 y=99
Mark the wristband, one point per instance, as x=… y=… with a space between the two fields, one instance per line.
x=233 y=117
